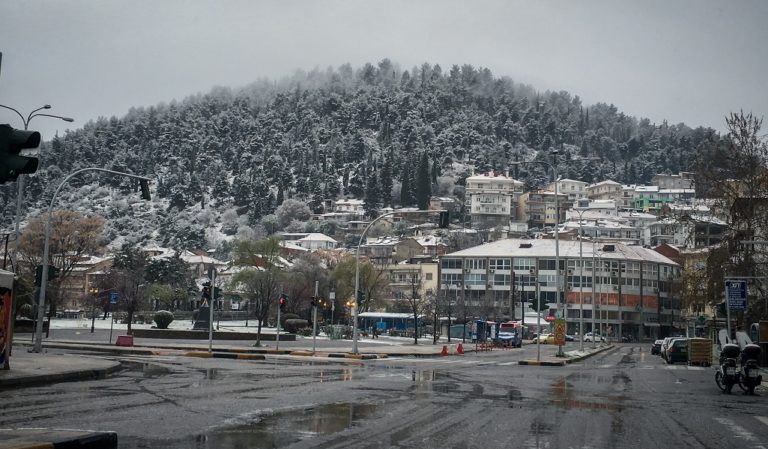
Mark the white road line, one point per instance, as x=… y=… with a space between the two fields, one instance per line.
x=762 y=419
x=507 y=363
x=741 y=433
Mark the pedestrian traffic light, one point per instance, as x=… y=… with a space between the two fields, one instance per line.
x=360 y=296
x=12 y=141
x=283 y=297
x=312 y=301
x=444 y=220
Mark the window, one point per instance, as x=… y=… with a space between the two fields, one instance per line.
x=524 y=264
x=451 y=263
x=474 y=279
x=499 y=264
x=428 y=276
x=501 y=279
x=448 y=279
x=475 y=264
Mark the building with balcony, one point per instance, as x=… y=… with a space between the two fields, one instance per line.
x=492 y=200
x=626 y=289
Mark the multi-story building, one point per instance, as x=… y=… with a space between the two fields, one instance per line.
x=683 y=180
x=575 y=190
x=542 y=209
x=605 y=190
x=492 y=200
x=626 y=289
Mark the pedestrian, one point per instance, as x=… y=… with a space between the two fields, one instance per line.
x=375 y=332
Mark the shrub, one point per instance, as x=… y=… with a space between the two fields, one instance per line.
x=305 y=332
x=287 y=316
x=163 y=318
x=293 y=325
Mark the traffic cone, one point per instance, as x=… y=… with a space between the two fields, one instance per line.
x=444 y=351
x=460 y=349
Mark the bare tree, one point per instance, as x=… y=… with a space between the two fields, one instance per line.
x=72 y=236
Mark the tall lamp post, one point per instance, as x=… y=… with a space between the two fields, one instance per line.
x=357 y=262
x=20 y=180
x=581 y=279
x=94 y=291
x=558 y=280
x=557 y=238
x=44 y=277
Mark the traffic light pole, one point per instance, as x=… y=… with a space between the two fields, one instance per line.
x=314 y=317
x=46 y=247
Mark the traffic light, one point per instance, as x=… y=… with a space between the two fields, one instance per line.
x=721 y=310
x=360 y=296
x=538 y=304
x=53 y=273
x=444 y=220
x=312 y=301
x=207 y=290
x=145 y=195
x=283 y=297
x=12 y=141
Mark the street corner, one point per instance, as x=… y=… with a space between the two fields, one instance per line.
x=54 y=439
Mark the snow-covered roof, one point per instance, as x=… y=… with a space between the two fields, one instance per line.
x=568 y=249
x=317 y=237
x=604 y=183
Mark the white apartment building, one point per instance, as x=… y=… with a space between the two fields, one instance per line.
x=575 y=190
x=605 y=190
x=492 y=200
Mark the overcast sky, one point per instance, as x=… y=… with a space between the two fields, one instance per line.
x=691 y=61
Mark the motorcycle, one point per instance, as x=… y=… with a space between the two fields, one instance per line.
x=749 y=375
x=727 y=374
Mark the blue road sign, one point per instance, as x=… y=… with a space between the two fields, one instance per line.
x=736 y=294
x=113 y=298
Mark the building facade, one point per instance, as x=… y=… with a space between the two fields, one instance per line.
x=619 y=289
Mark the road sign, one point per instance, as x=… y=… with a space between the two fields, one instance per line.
x=736 y=294
x=113 y=298
x=559 y=332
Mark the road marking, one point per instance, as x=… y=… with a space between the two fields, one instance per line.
x=762 y=419
x=507 y=363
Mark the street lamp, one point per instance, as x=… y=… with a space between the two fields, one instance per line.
x=94 y=291
x=357 y=263
x=557 y=238
x=20 y=179
x=581 y=281
x=44 y=277
x=558 y=280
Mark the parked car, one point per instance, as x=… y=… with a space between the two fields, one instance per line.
x=593 y=337
x=670 y=348
x=545 y=339
x=677 y=351
x=569 y=337
x=510 y=339
x=656 y=347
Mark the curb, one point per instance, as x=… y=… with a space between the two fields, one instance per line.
x=224 y=355
x=96 y=373
x=542 y=363
x=580 y=358
x=56 y=439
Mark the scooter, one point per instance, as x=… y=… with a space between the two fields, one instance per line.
x=727 y=374
x=749 y=376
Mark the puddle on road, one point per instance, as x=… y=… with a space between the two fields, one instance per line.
x=151 y=370
x=283 y=429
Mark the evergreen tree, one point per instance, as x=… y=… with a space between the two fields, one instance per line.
x=423 y=183
x=372 y=202
x=405 y=188
x=386 y=183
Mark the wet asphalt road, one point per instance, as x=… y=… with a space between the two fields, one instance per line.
x=624 y=398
